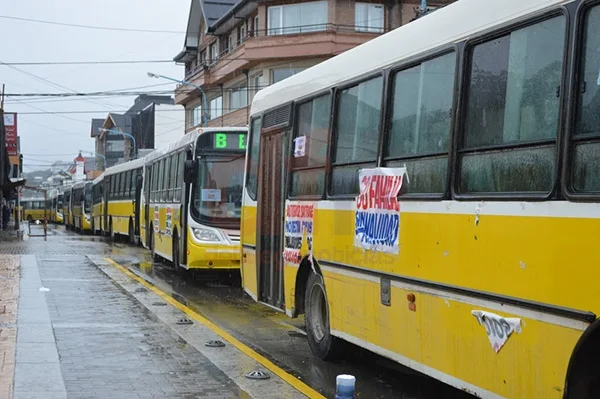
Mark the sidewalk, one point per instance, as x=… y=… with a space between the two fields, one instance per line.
x=86 y=330
x=9 y=293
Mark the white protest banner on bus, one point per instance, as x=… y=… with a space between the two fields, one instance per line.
x=377 y=218
x=298 y=231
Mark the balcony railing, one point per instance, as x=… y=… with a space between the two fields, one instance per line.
x=280 y=31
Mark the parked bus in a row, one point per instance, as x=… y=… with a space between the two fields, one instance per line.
x=433 y=196
x=122 y=188
x=66 y=209
x=34 y=209
x=192 y=198
x=54 y=206
x=81 y=206
x=98 y=205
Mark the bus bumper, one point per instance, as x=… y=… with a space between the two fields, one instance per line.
x=213 y=256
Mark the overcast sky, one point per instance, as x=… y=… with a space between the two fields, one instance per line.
x=49 y=137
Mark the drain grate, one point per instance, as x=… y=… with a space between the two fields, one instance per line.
x=141 y=289
x=159 y=304
x=184 y=321
x=257 y=375
x=214 y=344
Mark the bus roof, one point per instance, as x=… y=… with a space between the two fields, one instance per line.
x=122 y=167
x=81 y=184
x=98 y=179
x=449 y=24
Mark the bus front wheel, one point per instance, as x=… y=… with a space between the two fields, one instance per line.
x=321 y=342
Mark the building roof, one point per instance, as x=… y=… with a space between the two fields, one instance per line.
x=209 y=11
x=96 y=125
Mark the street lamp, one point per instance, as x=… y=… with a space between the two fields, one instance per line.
x=185 y=82
x=101 y=129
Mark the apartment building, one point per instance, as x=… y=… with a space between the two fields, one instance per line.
x=233 y=49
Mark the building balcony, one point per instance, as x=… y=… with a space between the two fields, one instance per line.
x=309 y=41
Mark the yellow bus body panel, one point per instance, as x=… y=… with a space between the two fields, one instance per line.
x=249 y=267
x=545 y=259
x=520 y=257
x=120 y=212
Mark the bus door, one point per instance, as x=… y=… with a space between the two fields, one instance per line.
x=138 y=194
x=148 y=222
x=271 y=202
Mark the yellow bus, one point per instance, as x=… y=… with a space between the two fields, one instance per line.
x=122 y=188
x=67 y=219
x=34 y=209
x=433 y=196
x=98 y=205
x=81 y=206
x=54 y=206
x=192 y=199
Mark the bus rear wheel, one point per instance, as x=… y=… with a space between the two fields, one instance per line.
x=323 y=345
x=176 y=257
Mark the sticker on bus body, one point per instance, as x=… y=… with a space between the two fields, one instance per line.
x=497 y=328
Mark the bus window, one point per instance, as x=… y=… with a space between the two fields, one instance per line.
x=253 y=151
x=309 y=156
x=356 y=134
x=420 y=123
x=511 y=99
x=586 y=149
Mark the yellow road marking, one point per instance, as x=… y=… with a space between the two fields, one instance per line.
x=287 y=377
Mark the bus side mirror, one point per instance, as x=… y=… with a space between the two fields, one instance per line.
x=189 y=171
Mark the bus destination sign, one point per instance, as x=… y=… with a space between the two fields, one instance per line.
x=227 y=141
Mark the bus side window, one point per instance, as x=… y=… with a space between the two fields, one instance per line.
x=512 y=112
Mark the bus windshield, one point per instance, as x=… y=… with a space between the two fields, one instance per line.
x=217 y=194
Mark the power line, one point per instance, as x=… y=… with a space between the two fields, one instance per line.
x=53 y=83
x=88 y=62
x=88 y=26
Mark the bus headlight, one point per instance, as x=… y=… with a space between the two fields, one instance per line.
x=202 y=234
x=87 y=218
x=60 y=215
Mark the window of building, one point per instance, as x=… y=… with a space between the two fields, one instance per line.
x=242 y=33
x=368 y=17
x=309 y=147
x=586 y=145
x=297 y=18
x=356 y=134
x=216 y=107
x=278 y=75
x=258 y=83
x=196 y=117
x=203 y=57
x=238 y=98
x=420 y=122
x=230 y=44
x=512 y=114
x=214 y=54
x=256 y=33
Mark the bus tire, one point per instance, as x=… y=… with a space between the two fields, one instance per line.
x=111 y=233
x=132 y=239
x=177 y=258
x=322 y=344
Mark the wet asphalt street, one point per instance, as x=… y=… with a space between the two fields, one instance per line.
x=219 y=298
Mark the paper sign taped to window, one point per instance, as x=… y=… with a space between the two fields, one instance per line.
x=299 y=146
x=497 y=327
x=209 y=194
